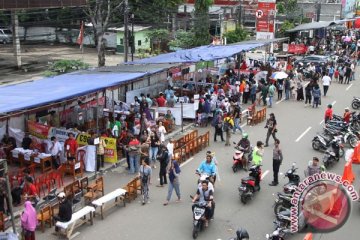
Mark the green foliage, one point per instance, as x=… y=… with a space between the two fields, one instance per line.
x=5 y=18
x=280 y=8
x=183 y=40
x=65 y=66
x=202 y=22
x=287 y=25
x=238 y=35
x=159 y=35
x=155 y=12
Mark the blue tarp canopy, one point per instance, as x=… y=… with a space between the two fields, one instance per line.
x=40 y=92
x=203 y=53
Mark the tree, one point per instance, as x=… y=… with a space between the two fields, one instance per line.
x=65 y=66
x=202 y=22
x=287 y=25
x=157 y=37
x=288 y=8
x=99 y=13
x=183 y=40
x=238 y=35
x=155 y=12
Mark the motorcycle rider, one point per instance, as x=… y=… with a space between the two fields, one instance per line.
x=314 y=167
x=210 y=185
x=204 y=194
x=208 y=167
x=244 y=144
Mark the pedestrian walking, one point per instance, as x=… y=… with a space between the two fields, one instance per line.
x=326 y=81
x=28 y=221
x=170 y=148
x=328 y=114
x=228 y=125
x=217 y=123
x=280 y=88
x=145 y=179
x=271 y=126
x=348 y=73
x=246 y=92
x=287 y=87
x=164 y=160
x=277 y=160
x=237 y=119
x=154 y=148
x=271 y=94
x=100 y=153
x=162 y=132
x=316 y=93
x=174 y=183
x=253 y=90
x=264 y=93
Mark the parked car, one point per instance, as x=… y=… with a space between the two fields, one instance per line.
x=5 y=36
x=316 y=59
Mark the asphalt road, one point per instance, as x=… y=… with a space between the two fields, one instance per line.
x=297 y=126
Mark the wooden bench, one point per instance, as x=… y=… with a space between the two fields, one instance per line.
x=103 y=202
x=131 y=189
x=76 y=221
x=45 y=163
x=257 y=117
x=45 y=216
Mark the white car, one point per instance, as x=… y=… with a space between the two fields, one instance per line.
x=5 y=36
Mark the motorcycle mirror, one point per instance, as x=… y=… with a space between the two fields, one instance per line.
x=294 y=164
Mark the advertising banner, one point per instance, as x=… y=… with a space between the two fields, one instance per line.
x=38 y=130
x=265 y=19
x=82 y=139
x=297 y=48
x=61 y=134
x=348 y=9
x=110 y=150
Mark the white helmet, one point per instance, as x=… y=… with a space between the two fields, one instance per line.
x=203 y=177
x=61 y=195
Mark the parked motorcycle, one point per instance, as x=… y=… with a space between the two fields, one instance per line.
x=241 y=234
x=251 y=184
x=330 y=158
x=282 y=202
x=349 y=135
x=355 y=104
x=294 y=180
x=238 y=157
x=322 y=143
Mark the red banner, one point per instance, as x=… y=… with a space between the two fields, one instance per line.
x=38 y=130
x=297 y=48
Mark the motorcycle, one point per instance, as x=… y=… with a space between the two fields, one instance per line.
x=348 y=135
x=198 y=218
x=355 y=104
x=329 y=158
x=205 y=176
x=251 y=184
x=241 y=234
x=294 y=180
x=238 y=157
x=282 y=202
x=321 y=143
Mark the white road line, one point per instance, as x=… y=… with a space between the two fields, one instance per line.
x=243 y=125
x=264 y=174
x=186 y=162
x=333 y=103
x=303 y=134
x=280 y=101
x=321 y=122
x=349 y=87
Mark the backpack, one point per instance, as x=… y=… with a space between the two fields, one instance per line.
x=226 y=125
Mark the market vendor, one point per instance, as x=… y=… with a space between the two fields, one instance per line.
x=161 y=101
x=70 y=147
x=169 y=118
x=26 y=142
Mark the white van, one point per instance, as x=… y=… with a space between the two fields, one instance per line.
x=5 y=36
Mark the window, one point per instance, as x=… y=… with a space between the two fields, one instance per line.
x=139 y=42
x=121 y=41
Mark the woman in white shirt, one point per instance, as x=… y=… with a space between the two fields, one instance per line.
x=162 y=132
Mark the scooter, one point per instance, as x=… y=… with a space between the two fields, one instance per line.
x=294 y=180
x=282 y=202
x=251 y=184
x=321 y=143
x=238 y=157
x=330 y=158
x=241 y=234
x=199 y=218
x=279 y=233
x=355 y=104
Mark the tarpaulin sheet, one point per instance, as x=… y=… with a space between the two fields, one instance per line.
x=48 y=90
x=203 y=53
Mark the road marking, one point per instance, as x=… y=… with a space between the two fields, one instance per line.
x=333 y=103
x=349 y=87
x=303 y=134
x=264 y=174
x=243 y=125
x=280 y=101
x=186 y=162
x=321 y=122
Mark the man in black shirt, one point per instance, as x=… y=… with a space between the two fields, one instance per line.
x=271 y=126
x=65 y=210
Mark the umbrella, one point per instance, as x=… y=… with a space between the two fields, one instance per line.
x=347 y=39
x=279 y=75
x=258 y=76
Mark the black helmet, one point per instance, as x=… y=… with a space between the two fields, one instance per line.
x=242 y=234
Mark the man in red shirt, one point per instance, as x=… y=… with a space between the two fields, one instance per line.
x=70 y=147
x=328 y=113
x=347 y=115
x=161 y=100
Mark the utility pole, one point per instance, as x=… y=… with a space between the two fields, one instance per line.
x=132 y=45
x=318 y=10
x=16 y=39
x=126 y=31
x=240 y=13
